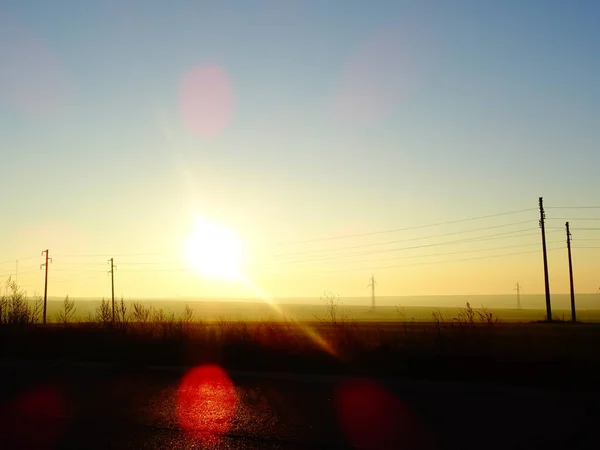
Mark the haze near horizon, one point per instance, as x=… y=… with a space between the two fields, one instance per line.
x=283 y=149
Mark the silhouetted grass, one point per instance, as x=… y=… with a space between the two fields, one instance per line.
x=470 y=346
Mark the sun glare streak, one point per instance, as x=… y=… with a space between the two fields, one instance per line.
x=304 y=327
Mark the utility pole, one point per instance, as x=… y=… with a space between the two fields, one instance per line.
x=518 y=289
x=573 y=315
x=112 y=282
x=372 y=286
x=546 y=282
x=45 y=284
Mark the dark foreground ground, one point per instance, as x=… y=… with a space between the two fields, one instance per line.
x=95 y=406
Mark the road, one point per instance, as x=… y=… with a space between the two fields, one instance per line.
x=97 y=407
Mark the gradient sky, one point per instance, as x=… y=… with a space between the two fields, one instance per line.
x=120 y=122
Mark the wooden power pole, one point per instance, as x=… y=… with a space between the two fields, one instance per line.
x=546 y=282
x=573 y=315
x=112 y=283
x=45 y=285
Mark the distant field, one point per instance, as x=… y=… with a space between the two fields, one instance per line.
x=253 y=311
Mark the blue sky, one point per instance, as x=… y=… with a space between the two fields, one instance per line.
x=480 y=107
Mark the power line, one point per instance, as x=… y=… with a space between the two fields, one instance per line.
x=438 y=254
x=405 y=240
x=80 y=255
x=183 y=269
x=404 y=229
x=574 y=218
x=148 y=263
x=572 y=207
x=21 y=272
x=11 y=261
x=458 y=241
x=79 y=270
x=417 y=264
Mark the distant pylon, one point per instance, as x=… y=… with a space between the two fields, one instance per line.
x=518 y=289
x=372 y=286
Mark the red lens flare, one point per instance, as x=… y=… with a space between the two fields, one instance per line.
x=207 y=100
x=32 y=76
x=35 y=419
x=376 y=79
x=373 y=418
x=206 y=404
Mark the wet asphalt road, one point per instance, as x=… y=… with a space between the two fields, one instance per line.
x=90 y=407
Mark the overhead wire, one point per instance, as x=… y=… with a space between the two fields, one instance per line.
x=106 y=255
x=573 y=218
x=8 y=261
x=458 y=241
x=572 y=207
x=394 y=230
x=413 y=265
x=404 y=240
x=442 y=254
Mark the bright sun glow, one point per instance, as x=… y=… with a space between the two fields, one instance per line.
x=214 y=251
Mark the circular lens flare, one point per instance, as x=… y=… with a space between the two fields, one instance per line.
x=206 y=99
x=373 y=418
x=34 y=420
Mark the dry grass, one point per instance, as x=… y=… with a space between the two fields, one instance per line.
x=470 y=344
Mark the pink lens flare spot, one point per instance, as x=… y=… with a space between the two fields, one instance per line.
x=373 y=418
x=207 y=100
x=35 y=419
x=31 y=75
x=206 y=404
x=377 y=77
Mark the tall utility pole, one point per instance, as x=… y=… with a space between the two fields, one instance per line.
x=372 y=286
x=546 y=282
x=112 y=283
x=573 y=315
x=518 y=289
x=45 y=284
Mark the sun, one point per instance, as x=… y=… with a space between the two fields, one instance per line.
x=214 y=251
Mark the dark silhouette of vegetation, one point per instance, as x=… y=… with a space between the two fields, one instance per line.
x=15 y=307
x=67 y=312
x=104 y=313
x=121 y=316
x=470 y=345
